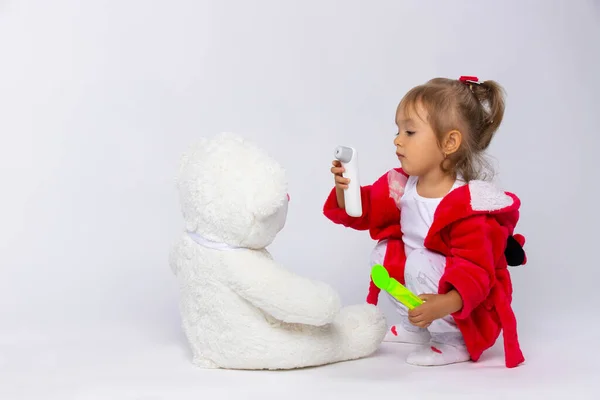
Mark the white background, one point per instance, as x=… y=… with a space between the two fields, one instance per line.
x=99 y=98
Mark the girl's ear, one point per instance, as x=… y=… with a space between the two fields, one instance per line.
x=452 y=142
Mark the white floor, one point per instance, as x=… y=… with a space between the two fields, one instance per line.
x=117 y=364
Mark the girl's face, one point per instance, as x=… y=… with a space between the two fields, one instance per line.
x=416 y=144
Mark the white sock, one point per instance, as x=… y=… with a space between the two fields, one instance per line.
x=398 y=334
x=438 y=354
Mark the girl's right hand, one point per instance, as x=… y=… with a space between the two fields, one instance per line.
x=341 y=183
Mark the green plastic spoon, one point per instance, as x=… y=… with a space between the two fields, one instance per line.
x=381 y=279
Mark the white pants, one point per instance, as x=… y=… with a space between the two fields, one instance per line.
x=422 y=273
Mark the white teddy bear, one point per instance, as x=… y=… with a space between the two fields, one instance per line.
x=240 y=309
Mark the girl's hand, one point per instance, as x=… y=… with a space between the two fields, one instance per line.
x=341 y=183
x=436 y=306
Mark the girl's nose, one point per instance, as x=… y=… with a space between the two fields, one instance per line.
x=288 y=196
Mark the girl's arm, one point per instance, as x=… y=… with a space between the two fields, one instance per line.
x=337 y=214
x=389 y=186
x=475 y=244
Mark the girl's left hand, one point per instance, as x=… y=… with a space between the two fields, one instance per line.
x=436 y=306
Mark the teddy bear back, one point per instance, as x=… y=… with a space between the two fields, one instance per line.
x=231 y=191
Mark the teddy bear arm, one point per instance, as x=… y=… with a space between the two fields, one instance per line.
x=286 y=296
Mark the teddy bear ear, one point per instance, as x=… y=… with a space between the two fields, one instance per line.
x=270 y=191
x=268 y=208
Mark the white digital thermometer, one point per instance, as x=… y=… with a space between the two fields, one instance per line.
x=349 y=159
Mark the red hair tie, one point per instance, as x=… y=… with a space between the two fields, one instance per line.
x=469 y=79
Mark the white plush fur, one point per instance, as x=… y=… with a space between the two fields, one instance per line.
x=240 y=309
x=485 y=196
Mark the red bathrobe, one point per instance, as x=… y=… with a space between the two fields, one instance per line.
x=471 y=226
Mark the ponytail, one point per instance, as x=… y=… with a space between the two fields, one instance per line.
x=491 y=96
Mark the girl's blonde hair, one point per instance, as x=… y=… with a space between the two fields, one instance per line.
x=474 y=108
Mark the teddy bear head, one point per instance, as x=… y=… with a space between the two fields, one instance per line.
x=232 y=192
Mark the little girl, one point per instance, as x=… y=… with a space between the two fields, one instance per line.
x=442 y=230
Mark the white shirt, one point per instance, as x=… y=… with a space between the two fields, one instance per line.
x=416 y=215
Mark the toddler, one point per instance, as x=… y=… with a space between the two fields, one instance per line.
x=442 y=230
